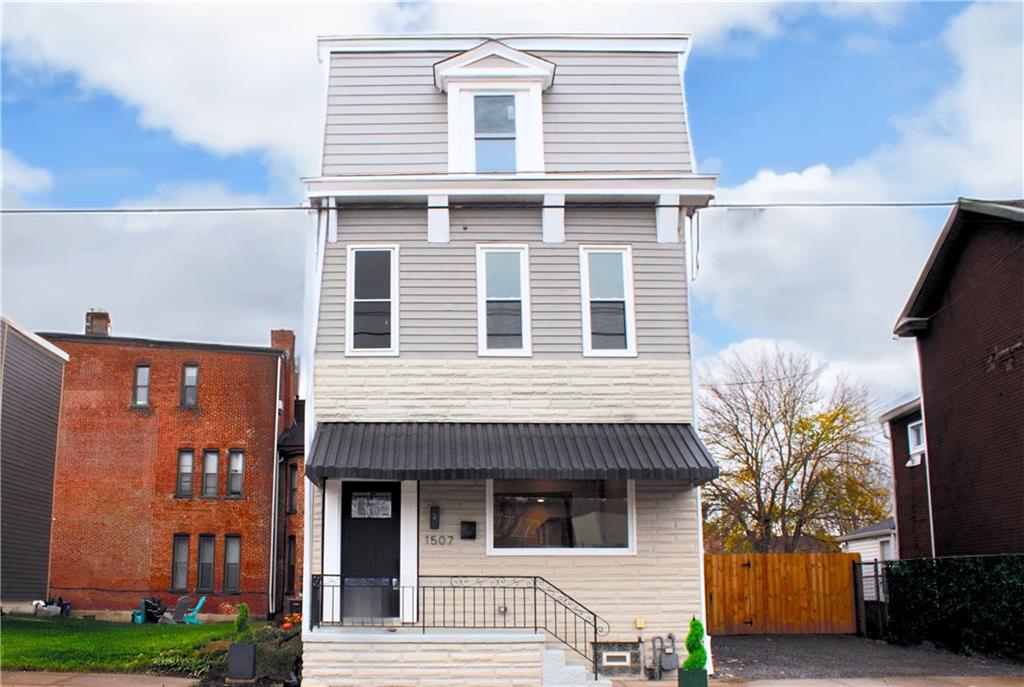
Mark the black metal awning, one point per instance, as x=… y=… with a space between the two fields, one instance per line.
x=465 y=450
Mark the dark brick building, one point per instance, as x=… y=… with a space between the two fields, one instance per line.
x=31 y=373
x=967 y=314
x=168 y=469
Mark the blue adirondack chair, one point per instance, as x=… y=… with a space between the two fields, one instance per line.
x=192 y=617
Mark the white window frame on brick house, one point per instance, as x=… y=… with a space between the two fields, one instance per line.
x=523 y=250
x=629 y=305
x=629 y=550
x=916 y=449
x=494 y=69
x=350 y=276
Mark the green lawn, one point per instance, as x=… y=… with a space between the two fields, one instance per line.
x=74 y=644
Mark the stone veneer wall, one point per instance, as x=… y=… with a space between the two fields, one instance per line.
x=497 y=390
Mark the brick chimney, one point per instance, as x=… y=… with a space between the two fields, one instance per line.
x=97 y=323
x=284 y=340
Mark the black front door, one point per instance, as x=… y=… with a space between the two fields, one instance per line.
x=370 y=549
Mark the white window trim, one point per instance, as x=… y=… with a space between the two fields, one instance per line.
x=350 y=275
x=617 y=658
x=627 y=276
x=462 y=123
x=916 y=450
x=627 y=551
x=481 y=299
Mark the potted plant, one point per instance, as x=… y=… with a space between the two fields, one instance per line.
x=242 y=652
x=694 y=671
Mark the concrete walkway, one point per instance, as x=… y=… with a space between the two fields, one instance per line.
x=41 y=679
x=939 y=681
x=882 y=682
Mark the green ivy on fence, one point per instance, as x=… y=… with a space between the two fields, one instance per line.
x=970 y=604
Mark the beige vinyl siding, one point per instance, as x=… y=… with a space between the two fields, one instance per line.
x=437 y=281
x=604 y=112
x=385 y=116
x=615 y=111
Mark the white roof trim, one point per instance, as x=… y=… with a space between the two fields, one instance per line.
x=36 y=339
x=699 y=189
x=900 y=410
x=460 y=67
x=614 y=42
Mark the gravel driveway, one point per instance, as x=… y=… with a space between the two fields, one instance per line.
x=838 y=656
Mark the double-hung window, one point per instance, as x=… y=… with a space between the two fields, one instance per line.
x=140 y=388
x=293 y=487
x=529 y=517
x=289 y=584
x=371 y=322
x=189 y=385
x=232 y=563
x=236 y=462
x=494 y=133
x=210 y=460
x=606 y=285
x=503 y=300
x=204 y=577
x=183 y=487
x=179 y=563
x=915 y=442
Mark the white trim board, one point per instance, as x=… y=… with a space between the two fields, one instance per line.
x=594 y=42
x=350 y=275
x=630 y=303
x=630 y=528
x=523 y=250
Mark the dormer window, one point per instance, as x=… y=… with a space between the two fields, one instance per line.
x=495 y=118
x=495 y=132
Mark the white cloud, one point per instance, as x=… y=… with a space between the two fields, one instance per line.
x=242 y=77
x=18 y=179
x=200 y=276
x=835 y=280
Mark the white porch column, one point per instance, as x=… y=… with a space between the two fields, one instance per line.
x=409 y=559
x=331 y=551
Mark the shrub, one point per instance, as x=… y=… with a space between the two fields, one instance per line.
x=698 y=657
x=970 y=604
x=242 y=629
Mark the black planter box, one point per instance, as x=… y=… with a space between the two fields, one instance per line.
x=693 y=678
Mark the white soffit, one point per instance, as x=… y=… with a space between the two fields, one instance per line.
x=493 y=61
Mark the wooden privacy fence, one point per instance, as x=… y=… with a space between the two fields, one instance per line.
x=780 y=593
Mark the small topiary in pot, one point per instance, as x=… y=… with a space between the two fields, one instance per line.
x=694 y=671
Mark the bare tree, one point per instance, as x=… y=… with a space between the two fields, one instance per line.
x=798 y=457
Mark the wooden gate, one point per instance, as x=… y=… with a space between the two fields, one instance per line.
x=780 y=593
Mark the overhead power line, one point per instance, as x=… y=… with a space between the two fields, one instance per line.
x=389 y=206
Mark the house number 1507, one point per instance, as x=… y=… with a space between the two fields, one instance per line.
x=439 y=539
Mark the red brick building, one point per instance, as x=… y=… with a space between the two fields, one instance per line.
x=168 y=474
x=958 y=456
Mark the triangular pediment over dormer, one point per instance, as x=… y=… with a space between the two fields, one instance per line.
x=493 y=61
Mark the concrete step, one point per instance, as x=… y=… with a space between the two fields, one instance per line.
x=559 y=672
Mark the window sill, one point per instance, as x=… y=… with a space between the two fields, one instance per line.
x=360 y=353
x=506 y=353
x=185 y=407
x=183 y=497
x=291 y=511
x=491 y=551
x=137 y=406
x=613 y=353
x=233 y=497
x=209 y=498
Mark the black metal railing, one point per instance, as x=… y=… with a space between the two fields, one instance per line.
x=470 y=602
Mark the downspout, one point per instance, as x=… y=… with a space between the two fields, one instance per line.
x=314 y=275
x=273 y=505
x=927 y=454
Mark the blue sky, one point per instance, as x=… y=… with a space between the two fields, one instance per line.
x=180 y=103
x=810 y=95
